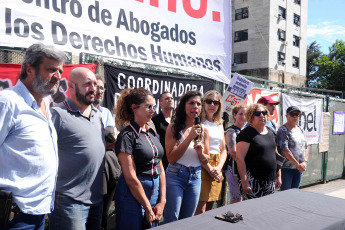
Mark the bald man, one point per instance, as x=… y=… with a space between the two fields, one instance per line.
x=81 y=148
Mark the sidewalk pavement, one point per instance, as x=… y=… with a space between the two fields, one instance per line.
x=335 y=188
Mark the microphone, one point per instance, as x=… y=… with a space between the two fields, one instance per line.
x=197 y=122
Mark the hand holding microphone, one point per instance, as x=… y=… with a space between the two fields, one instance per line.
x=197 y=122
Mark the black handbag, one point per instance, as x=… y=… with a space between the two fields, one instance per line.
x=5 y=206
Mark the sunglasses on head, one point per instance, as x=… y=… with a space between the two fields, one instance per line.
x=209 y=102
x=294 y=114
x=257 y=113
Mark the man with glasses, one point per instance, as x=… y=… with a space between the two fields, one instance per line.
x=162 y=120
x=79 y=126
x=270 y=105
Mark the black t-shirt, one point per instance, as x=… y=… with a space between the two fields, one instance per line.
x=261 y=158
x=161 y=127
x=145 y=147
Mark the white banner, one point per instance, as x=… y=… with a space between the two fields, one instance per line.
x=311 y=116
x=255 y=94
x=194 y=36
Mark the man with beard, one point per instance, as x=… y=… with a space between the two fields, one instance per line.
x=28 y=141
x=79 y=194
x=162 y=120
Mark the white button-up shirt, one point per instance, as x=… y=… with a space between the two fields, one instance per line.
x=28 y=151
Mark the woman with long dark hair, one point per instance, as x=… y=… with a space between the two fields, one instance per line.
x=140 y=193
x=186 y=147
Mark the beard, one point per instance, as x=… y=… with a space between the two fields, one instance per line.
x=42 y=87
x=98 y=101
x=83 y=98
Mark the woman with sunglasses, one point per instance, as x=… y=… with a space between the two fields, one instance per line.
x=141 y=190
x=231 y=173
x=211 y=174
x=293 y=144
x=256 y=155
x=186 y=145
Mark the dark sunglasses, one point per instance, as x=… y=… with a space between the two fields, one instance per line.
x=209 y=102
x=294 y=114
x=257 y=113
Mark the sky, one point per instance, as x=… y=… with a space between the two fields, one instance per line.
x=326 y=22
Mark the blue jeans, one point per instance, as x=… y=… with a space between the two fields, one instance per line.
x=24 y=221
x=291 y=178
x=130 y=214
x=74 y=215
x=183 y=191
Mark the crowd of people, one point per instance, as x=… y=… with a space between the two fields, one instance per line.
x=71 y=160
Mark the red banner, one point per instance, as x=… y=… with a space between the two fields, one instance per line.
x=9 y=76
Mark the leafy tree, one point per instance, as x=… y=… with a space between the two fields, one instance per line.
x=331 y=68
x=313 y=53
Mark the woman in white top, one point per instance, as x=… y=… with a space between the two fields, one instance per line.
x=186 y=147
x=211 y=174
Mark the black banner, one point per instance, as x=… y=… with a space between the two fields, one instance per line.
x=119 y=78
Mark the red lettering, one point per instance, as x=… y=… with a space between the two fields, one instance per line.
x=232 y=99
x=195 y=13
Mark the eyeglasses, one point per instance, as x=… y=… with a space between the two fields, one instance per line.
x=149 y=107
x=209 y=102
x=258 y=113
x=101 y=88
x=294 y=114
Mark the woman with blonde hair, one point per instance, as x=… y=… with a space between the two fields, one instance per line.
x=211 y=173
x=256 y=155
x=231 y=133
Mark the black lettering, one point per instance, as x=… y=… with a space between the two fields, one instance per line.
x=96 y=42
x=216 y=63
x=192 y=40
x=63 y=6
x=8 y=21
x=155 y=54
x=105 y=14
x=166 y=56
x=76 y=11
x=119 y=45
x=86 y=39
x=26 y=28
x=122 y=20
x=174 y=33
x=145 y=27
x=310 y=120
x=75 y=40
x=165 y=32
x=55 y=7
x=134 y=23
x=142 y=53
x=132 y=51
x=94 y=9
x=183 y=36
x=208 y=63
x=108 y=42
x=38 y=35
x=62 y=29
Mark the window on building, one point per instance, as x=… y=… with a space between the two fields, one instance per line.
x=281 y=58
x=295 y=62
x=240 y=58
x=296 y=40
x=298 y=2
x=241 y=13
x=281 y=35
x=281 y=13
x=241 y=36
x=296 y=19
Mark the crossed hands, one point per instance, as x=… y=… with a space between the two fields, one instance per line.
x=216 y=173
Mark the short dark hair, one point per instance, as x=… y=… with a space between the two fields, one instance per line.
x=34 y=57
x=160 y=96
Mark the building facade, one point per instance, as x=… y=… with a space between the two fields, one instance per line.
x=270 y=39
